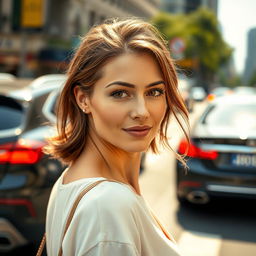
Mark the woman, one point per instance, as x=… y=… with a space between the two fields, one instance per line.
x=116 y=103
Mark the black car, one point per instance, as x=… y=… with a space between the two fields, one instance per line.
x=26 y=173
x=222 y=154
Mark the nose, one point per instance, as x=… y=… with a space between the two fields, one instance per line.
x=140 y=109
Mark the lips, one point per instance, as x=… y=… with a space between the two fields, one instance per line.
x=138 y=131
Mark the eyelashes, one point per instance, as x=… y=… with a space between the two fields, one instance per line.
x=156 y=92
x=120 y=94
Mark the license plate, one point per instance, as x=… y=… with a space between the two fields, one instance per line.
x=244 y=160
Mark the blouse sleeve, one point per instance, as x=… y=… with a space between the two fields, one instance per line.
x=112 y=248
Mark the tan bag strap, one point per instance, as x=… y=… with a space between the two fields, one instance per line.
x=70 y=216
x=41 y=247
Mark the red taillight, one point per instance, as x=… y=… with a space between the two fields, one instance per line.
x=195 y=152
x=23 y=202
x=22 y=152
x=211 y=97
x=193 y=184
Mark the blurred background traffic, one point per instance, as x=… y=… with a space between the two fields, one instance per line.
x=208 y=207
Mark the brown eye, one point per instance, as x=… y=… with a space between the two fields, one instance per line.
x=155 y=92
x=119 y=94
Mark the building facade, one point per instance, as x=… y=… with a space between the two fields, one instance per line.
x=187 y=6
x=36 y=35
x=250 y=62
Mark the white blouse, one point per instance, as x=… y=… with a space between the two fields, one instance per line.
x=110 y=220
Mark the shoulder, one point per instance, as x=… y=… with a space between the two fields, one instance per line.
x=110 y=199
x=110 y=194
x=110 y=206
x=117 y=191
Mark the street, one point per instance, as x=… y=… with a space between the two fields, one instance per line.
x=225 y=228
x=57 y=62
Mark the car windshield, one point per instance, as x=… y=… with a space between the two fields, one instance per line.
x=11 y=113
x=197 y=89
x=183 y=84
x=221 y=91
x=242 y=115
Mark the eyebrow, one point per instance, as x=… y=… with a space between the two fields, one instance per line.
x=132 y=85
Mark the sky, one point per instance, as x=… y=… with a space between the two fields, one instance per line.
x=236 y=18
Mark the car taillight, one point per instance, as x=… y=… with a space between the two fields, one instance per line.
x=193 y=151
x=22 y=152
x=211 y=97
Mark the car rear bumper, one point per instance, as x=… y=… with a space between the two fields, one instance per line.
x=10 y=237
x=213 y=183
x=231 y=189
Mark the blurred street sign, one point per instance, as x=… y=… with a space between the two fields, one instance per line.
x=32 y=13
x=177 y=45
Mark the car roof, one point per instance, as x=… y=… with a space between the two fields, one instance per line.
x=45 y=79
x=197 y=88
x=7 y=77
x=39 y=86
x=235 y=99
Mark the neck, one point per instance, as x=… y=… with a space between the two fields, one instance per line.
x=104 y=160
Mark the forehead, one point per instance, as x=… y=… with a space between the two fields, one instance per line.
x=133 y=68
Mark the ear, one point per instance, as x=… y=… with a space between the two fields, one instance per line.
x=82 y=99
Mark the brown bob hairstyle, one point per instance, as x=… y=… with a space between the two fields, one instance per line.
x=100 y=44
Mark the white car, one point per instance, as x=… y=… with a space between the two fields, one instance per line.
x=7 y=77
x=198 y=93
x=39 y=86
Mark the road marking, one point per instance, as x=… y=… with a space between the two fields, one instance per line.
x=199 y=244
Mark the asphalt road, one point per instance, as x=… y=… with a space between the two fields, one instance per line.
x=224 y=228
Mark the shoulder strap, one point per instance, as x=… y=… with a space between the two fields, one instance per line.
x=41 y=247
x=70 y=216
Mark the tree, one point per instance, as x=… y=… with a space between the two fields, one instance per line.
x=230 y=81
x=204 y=43
x=252 y=81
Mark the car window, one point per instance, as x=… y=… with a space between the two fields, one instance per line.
x=183 y=85
x=11 y=113
x=221 y=91
x=49 y=108
x=54 y=105
x=232 y=115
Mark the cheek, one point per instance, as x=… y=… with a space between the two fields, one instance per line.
x=158 y=112
x=107 y=115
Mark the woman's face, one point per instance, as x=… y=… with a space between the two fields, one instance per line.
x=128 y=103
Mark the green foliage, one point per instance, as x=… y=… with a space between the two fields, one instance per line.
x=229 y=81
x=201 y=33
x=252 y=81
